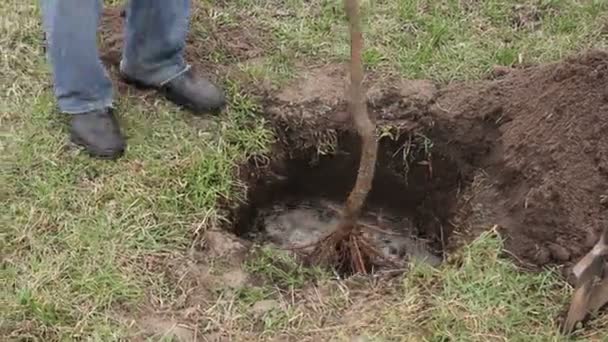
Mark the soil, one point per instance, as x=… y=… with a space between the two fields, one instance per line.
x=552 y=176
x=161 y=327
x=525 y=149
x=294 y=224
x=299 y=195
x=529 y=147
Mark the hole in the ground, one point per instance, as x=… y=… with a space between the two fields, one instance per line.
x=297 y=200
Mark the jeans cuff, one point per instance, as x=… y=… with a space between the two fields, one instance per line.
x=85 y=108
x=154 y=79
x=186 y=68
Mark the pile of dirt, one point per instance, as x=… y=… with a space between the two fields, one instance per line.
x=552 y=175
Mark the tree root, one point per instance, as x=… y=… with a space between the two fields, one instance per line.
x=349 y=252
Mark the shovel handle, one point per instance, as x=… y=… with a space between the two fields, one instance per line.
x=591 y=263
x=589 y=266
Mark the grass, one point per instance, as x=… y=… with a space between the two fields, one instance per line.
x=82 y=240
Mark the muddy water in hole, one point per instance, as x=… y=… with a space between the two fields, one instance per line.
x=303 y=223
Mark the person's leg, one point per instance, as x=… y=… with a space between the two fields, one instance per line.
x=81 y=84
x=80 y=80
x=155 y=35
x=153 y=55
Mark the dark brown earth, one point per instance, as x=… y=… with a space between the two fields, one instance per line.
x=525 y=150
x=553 y=170
x=529 y=146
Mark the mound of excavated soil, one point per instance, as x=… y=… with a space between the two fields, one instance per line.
x=555 y=154
x=548 y=162
x=531 y=145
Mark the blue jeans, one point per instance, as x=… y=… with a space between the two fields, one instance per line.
x=155 y=37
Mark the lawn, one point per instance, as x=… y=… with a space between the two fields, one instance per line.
x=88 y=246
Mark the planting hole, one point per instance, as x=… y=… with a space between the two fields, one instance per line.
x=297 y=200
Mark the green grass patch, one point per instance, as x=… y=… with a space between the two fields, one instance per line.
x=487 y=296
x=281 y=269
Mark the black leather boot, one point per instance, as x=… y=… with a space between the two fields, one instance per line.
x=99 y=133
x=190 y=91
x=195 y=93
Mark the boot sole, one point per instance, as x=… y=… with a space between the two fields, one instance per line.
x=143 y=86
x=93 y=153
x=137 y=84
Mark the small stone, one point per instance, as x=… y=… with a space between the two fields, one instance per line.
x=559 y=253
x=282 y=13
x=224 y=244
x=234 y=279
x=591 y=238
x=340 y=116
x=605 y=97
x=264 y=306
x=500 y=71
x=569 y=275
x=542 y=256
x=360 y=339
x=587 y=147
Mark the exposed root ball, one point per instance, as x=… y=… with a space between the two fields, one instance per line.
x=348 y=251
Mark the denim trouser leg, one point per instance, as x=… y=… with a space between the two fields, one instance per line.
x=155 y=36
x=81 y=83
